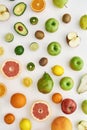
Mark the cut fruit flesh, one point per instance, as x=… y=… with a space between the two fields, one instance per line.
x=3 y=89
x=40 y=110
x=4 y=13
x=19 y=9
x=38 y=5
x=20 y=28
x=82 y=125
x=10 y=68
x=83 y=84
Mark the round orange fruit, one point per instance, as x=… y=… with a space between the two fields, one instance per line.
x=38 y=5
x=56 y=97
x=61 y=123
x=18 y=100
x=3 y=89
x=9 y=118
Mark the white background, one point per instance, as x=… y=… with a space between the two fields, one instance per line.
x=76 y=8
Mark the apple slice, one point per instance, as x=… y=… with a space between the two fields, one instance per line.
x=82 y=125
x=83 y=84
x=73 y=39
x=4 y=13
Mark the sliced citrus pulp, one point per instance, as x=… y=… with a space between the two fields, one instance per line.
x=10 y=68
x=38 y=5
x=2 y=89
x=40 y=110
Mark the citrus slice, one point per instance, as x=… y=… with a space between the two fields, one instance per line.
x=38 y=5
x=1 y=51
x=2 y=89
x=40 y=110
x=10 y=68
x=27 y=81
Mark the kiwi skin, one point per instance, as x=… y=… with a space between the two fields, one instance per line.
x=66 y=18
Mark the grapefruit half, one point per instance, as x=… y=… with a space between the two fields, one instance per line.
x=40 y=110
x=10 y=68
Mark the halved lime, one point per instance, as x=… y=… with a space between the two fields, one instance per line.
x=34 y=46
x=9 y=37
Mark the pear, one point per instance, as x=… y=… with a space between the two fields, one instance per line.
x=82 y=125
x=83 y=84
x=45 y=83
x=60 y=3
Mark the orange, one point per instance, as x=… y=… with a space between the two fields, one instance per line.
x=2 y=89
x=38 y=5
x=9 y=118
x=56 y=97
x=61 y=123
x=18 y=100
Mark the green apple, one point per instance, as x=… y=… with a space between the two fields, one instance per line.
x=76 y=63
x=60 y=3
x=51 y=25
x=54 y=48
x=25 y=124
x=4 y=13
x=83 y=22
x=66 y=83
x=84 y=106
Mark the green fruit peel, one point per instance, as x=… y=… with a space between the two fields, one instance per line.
x=45 y=83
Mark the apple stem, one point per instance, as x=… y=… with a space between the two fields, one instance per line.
x=66 y=6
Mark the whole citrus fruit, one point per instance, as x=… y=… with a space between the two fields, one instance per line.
x=57 y=70
x=56 y=97
x=61 y=123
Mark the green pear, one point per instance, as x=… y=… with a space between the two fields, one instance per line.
x=25 y=124
x=84 y=106
x=83 y=84
x=45 y=83
x=82 y=125
x=60 y=3
x=83 y=22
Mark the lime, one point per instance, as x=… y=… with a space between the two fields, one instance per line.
x=30 y=66
x=34 y=46
x=1 y=51
x=19 y=50
x=9 y=37
x=27 y=81
x=33 y=20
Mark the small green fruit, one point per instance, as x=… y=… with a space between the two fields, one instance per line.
x=83 y=22
x=84 y=106
x=51 y=25
x=25 y=124
x=66 y=83
x=60 y=3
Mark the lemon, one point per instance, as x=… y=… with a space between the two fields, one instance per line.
x=1 y=51
x=27 y=81
x=57 y=70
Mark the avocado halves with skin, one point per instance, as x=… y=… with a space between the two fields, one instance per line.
x=45 y=83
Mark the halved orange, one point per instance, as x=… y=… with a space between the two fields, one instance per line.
x=2 y=89
x=38 y=5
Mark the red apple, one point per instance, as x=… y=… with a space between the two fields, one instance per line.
x=68 y=106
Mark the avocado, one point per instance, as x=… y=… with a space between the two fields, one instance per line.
x=19 y=8
x=20 y=28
